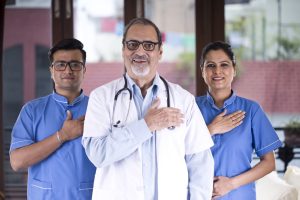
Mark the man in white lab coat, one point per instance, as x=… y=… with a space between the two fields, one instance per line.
x=146 y=136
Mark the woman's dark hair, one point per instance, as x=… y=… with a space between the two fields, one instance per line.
x=218 y=45
x=142 y=21
x=67 y=44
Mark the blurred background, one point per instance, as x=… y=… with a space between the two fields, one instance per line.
x=264 y=34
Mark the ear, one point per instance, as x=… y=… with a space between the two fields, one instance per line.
x=51 y=71
x=234 y=73
x=123 y=53
x=202 y=71
x=160 y=52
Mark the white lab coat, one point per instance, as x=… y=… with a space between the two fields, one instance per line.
x=122 y=180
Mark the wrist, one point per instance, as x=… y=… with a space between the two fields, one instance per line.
x=58 y=137
x=61 y=136
x=233 y=183
x=210 y=129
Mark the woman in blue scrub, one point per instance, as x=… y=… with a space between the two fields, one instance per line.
x=238 y=127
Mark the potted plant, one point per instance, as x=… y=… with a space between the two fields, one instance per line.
x=292 y=133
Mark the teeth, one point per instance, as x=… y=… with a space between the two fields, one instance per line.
x=138 y=60
x=135 y=60
x=217 y=78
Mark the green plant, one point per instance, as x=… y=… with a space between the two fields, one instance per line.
x=186 y=65
x=295 y=124
x=186 y=62
x=292 y=133
x=288 y=47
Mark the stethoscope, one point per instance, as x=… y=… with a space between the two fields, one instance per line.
x=118 y=123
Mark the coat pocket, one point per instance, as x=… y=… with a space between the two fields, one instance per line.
x=86 y=190
x=40 y=190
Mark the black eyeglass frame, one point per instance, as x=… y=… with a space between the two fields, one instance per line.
x=66 y=64
x=143 y=43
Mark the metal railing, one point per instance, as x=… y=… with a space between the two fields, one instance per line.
x=290 y=149
x=15 y=186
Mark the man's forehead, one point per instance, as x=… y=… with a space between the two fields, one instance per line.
x=67 y=53
x=141 y=31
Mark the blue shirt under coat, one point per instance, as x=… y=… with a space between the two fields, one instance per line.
x=149 y=146
x=233 y=150
x=67 y=173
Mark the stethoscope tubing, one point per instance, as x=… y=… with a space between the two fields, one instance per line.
x=125 y=87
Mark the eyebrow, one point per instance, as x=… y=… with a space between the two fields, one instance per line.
x=68 y=61
x=140 y=41
x=223 y=61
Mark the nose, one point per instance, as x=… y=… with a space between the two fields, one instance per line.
x=217 y=69
x=68 y=69
x=140 y=49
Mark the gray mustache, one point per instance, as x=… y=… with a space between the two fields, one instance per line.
x=139 y=57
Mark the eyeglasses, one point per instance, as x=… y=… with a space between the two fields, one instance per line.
x=62 y=65
x=133 y=45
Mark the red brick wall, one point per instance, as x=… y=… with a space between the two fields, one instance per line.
x=275 y=85
x=100 y=73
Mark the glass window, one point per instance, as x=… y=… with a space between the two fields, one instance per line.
x=265 y=35
x=176 y=20
x=27 y=29
x=99 y=25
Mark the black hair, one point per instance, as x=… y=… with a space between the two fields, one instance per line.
x=67 y=44
x=217 y=45
x=143 y=21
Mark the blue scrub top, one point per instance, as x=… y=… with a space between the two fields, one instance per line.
x=67 y=173
x=233 y=150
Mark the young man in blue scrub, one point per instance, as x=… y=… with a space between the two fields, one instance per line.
x=237 y=125
x=46 y=137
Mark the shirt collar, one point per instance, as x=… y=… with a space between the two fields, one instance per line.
x=133 y=86
x=64 y=100
x=227 y=102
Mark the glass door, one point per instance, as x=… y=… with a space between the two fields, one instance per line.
x=27 y=38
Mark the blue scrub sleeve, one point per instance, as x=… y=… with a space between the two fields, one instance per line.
x=22 y=133
x=264 y=135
